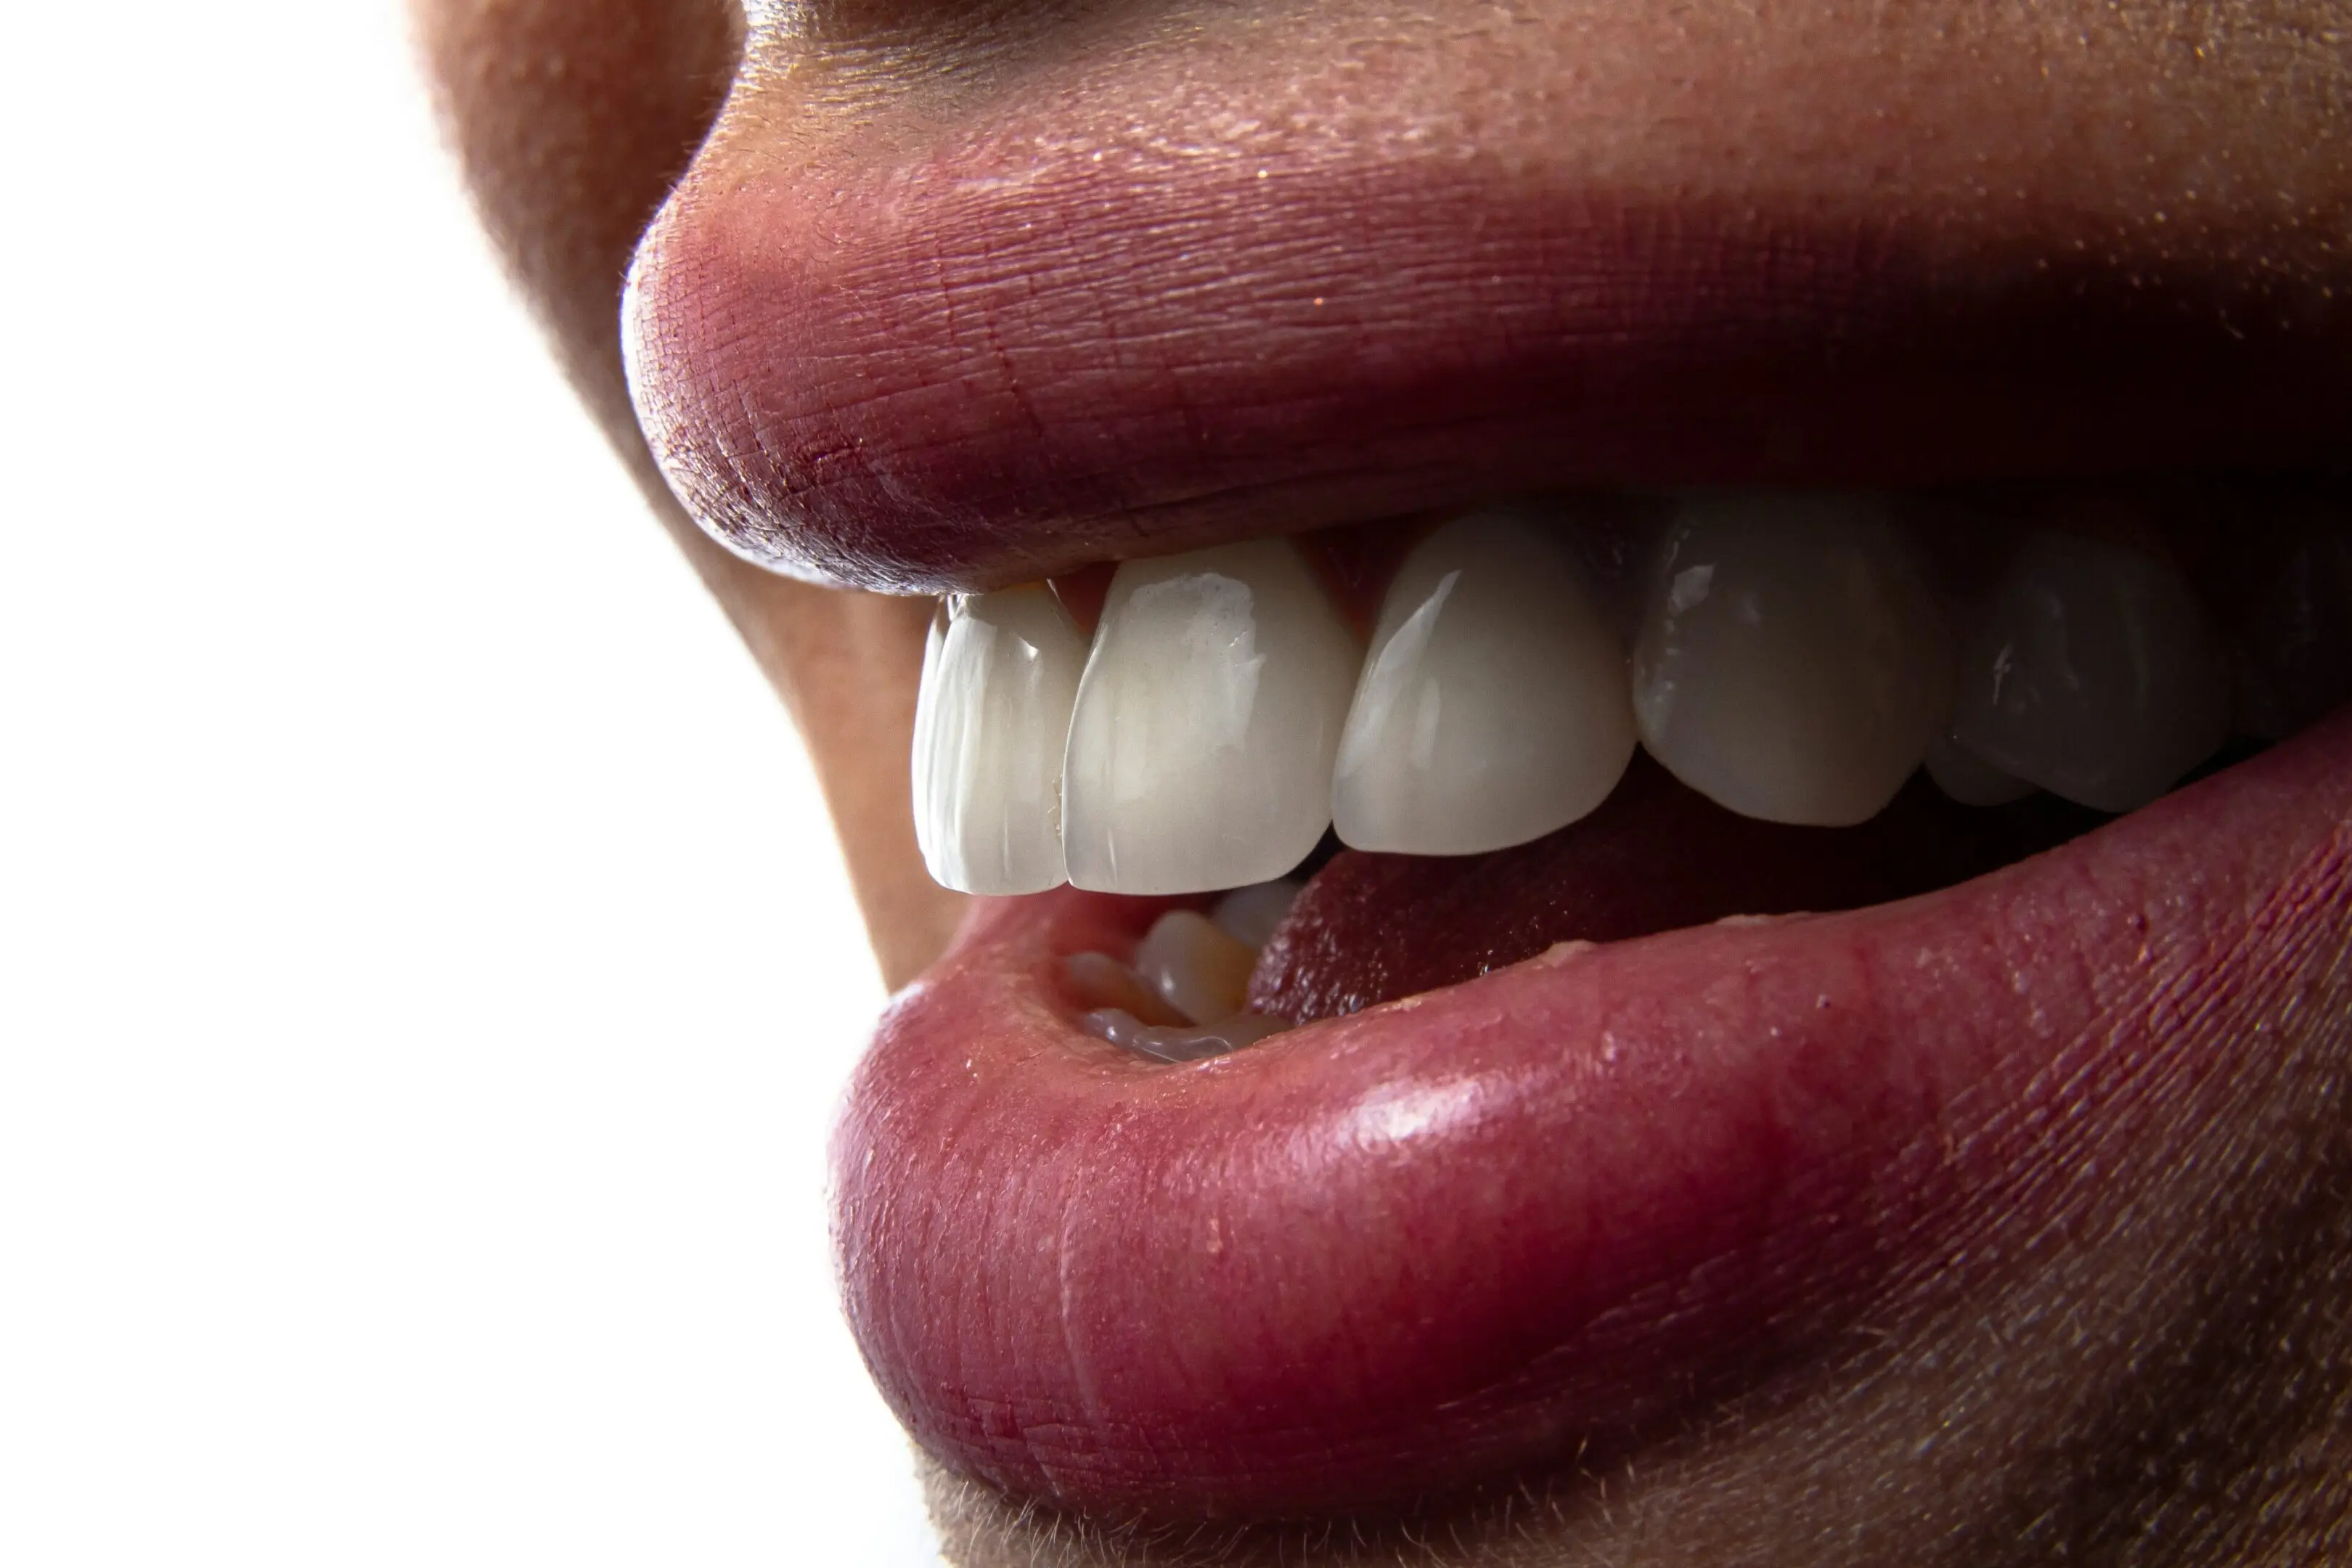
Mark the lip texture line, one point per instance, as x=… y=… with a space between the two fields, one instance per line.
x=1023 y=382
x=1397 y=1252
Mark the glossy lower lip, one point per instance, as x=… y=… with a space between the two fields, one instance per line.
x=1571 y=1203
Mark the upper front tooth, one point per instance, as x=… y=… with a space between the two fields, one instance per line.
x=1200 y=756
x=2094 y=673
x=1792 y=665
x=1000 y=675
x=1492 y=707
x=1969 y=778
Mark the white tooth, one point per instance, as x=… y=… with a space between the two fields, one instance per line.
x=999 y=676
x=2094 y=673
x=1492 y=707
x=1251 y=914
x=1201 y=754
x=1792 y=665
x=1969 y=778
x=1195 y=968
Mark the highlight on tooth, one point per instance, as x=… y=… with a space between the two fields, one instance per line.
x=1000 y=678
x=2093 y=672
x=1493 y=708
x=1186 y=995
x=1792 y=664
x=1200 y=754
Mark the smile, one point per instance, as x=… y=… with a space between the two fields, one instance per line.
x=1598 y=783
x=1460 y=1160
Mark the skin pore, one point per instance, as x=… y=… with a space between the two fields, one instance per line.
x=2158 y=1372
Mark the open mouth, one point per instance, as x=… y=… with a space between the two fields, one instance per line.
x=1771 y=833
x=1456 y=1057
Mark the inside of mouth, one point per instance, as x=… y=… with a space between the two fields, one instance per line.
x=1351 y=930
x=1467 y=738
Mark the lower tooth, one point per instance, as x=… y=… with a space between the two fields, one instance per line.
x=999 y=677
x=1967 y=778
x=1195 y=968
x=1168 y=1044
x=2094 y=673
x=1200 y=754
x=1792 y=665
x=1103 y=984
x=1492 y=709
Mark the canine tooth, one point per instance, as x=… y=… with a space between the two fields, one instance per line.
x=1000 y=678
x=1792 y=665
x=1200 y=756
x=2094 y=673
x=1492 y=709
x=1251 y=914
x=1197 y=969
x=1969 y=778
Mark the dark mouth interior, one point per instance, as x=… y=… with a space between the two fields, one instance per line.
x=1658 y=855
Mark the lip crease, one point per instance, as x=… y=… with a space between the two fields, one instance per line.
x=969 y=372
x=1569 y=1203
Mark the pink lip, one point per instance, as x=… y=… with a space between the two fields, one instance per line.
x=984 y=368
x=1569 y=1202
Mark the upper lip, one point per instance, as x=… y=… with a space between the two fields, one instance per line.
x=958 y=361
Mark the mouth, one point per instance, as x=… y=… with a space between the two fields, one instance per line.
x=1735 y=901
x=1766 y=821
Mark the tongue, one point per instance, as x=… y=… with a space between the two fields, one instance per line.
x=1373 y=928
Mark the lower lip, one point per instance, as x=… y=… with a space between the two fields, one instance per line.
x=1564 y=1205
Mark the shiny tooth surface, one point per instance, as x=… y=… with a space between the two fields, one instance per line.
x=1200 y=756
x=1103 y=981
x=1492 y=707
x=1000 y=678
x=2095 y=672
x=1251 y=914
x=1791 y=665
x=1181 y=1043
x=1199 y=970
x=1967 y=778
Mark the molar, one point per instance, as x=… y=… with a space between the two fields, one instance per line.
x=1492 y=709
x=999 y=676
x=1200 y=754
x=2093 y=672
x=1792 y=665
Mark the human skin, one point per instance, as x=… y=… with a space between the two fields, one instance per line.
x=2153 y=1365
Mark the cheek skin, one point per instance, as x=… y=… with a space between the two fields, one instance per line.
x=567 y=167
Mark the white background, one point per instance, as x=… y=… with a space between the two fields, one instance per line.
x=424 y=973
